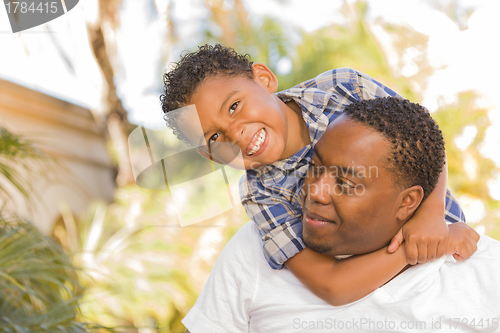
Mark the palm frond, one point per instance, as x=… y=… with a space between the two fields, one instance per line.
x=38 y=284
x=18 y=157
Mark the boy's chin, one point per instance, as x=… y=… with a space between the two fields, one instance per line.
x=249 y=165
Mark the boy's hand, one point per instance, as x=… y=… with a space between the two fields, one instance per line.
x=426 y=237
x=462 y=242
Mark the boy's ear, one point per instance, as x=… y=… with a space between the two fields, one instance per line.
x=263 y=75
x=409 y=202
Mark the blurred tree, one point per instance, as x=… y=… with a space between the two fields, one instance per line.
x=464 y=126
x=102 y=23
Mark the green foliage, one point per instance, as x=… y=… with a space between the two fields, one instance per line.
x=468 y=170
x=18 y=157
x=38 y=284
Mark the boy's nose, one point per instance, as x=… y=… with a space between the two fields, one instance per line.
x=235 y=133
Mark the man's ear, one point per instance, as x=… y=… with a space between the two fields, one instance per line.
x=410 y=199
x=263 y=75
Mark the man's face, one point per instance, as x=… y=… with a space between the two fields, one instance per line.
x=350 y=205
x=244 y=112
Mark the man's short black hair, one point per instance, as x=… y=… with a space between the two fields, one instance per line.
x=417 y=147
x=209 y=60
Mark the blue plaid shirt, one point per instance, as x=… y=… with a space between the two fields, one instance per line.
x=272 y=195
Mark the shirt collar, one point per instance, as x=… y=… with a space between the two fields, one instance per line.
x=312 y=101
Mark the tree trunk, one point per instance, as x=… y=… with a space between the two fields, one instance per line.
x=115 y=115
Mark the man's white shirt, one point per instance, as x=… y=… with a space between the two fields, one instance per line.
x=243 y=294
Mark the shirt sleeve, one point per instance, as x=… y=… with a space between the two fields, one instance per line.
x=453 y=212
x=224 y=305
x=368 y=88
x=278 y=219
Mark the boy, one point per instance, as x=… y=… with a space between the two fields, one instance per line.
x=236 y=104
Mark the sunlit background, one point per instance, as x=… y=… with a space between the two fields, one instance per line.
x=74 y=88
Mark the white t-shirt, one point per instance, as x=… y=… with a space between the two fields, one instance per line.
x=243 y=294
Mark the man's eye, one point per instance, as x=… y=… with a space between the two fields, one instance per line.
x=233 y=107
x=316 y=169
x=344 y=184
x=213 y=138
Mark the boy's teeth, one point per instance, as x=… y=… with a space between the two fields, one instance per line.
x=260 y=140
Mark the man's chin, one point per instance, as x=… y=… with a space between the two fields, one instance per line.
x=318 y=247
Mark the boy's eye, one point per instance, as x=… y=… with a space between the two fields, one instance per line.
x=233 y=107
x=213 y=138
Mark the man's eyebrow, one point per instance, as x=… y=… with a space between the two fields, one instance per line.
x=220 y=111
x=351 y=170
x=357 y=172
x=317 y=153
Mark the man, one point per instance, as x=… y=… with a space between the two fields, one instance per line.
x=388 y=156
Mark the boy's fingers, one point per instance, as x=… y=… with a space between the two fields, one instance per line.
x=474 y=247
x=396 y=241
x=432 y=251
x=422 y=254
x=474 y=234
x=411 y=253
x=441 y=250
x=471 y=247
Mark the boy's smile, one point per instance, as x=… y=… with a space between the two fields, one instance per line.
x=245 y=113
x=254 y=147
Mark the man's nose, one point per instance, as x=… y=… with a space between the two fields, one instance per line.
x=318 y=191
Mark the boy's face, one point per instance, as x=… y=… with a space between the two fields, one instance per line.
x=351 y=201
x=245 y=113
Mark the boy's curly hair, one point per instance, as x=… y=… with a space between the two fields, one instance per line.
x=209 y=60
x=417 y=145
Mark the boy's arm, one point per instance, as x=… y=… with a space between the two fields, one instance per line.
x=339 y=282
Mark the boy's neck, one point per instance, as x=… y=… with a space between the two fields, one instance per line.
x=298 y=132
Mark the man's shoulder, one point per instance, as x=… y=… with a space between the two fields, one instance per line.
x=246 y=235
x=245 y=245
